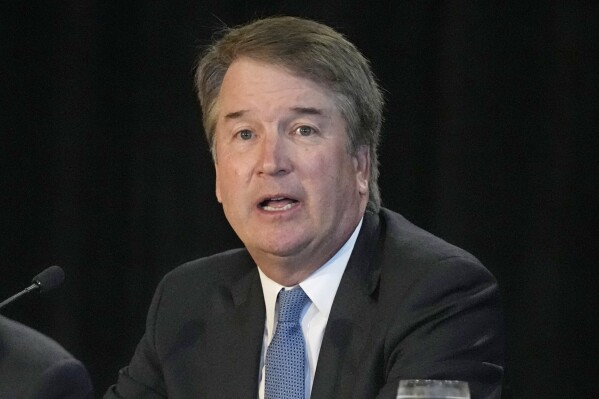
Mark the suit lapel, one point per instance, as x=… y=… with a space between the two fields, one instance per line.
x=241 y=335
x=349 y=323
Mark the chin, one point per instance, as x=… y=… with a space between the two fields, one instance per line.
x=280 y=248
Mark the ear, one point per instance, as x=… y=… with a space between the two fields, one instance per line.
x=361 y=160
x=217 y=185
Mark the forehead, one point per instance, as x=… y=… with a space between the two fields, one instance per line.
x=256 y=84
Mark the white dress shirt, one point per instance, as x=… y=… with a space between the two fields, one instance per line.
x=321 y=287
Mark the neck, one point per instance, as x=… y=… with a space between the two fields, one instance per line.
x=293 y=269
x=288 y=271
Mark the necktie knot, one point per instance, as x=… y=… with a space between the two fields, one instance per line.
x=291 y=304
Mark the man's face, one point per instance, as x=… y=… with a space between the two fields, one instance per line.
x=288 y=186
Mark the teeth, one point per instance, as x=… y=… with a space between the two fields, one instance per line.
x=275 y=209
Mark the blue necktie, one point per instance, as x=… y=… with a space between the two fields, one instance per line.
x=285 y=357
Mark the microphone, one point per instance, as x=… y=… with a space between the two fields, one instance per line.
x=47 y=280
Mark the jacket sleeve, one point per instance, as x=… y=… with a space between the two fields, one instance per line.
x=449 y=326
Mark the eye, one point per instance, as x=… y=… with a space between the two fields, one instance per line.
x=305 y=130
x=245 y=134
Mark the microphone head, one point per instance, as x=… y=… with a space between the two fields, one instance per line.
x=49 y=279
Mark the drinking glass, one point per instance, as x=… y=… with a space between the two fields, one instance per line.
x=432 y=389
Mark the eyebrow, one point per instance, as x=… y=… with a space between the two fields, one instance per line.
x=307 y=111
x=296 y=110
x=236 y=114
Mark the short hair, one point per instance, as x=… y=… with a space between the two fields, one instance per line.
x=310 y=50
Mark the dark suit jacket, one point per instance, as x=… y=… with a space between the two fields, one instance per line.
x=409 y=306
x=33 y=366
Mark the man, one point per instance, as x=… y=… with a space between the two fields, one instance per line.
x=292 y=113
x=32 y=366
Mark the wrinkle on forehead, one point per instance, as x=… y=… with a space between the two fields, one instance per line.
x=252 y=85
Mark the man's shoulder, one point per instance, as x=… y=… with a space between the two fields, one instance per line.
x=200 y=290
x=408 y=240
x=29 y=343
x=34 y=363
x=410 y=252
x=224 y=267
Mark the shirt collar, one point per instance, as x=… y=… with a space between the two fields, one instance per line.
x=321 y=286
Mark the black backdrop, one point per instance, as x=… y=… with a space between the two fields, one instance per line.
x=490 y=141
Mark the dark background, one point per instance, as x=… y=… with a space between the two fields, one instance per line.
x=490 y=141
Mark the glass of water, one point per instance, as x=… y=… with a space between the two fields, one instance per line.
x=432 y=389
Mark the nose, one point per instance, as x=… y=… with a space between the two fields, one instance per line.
x=274 y=156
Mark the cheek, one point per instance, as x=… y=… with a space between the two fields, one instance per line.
x=329 y=177
x=217 y=187
x=232 y=181
x=223 y=181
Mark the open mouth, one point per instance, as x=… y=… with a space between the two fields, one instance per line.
x=277 y=204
